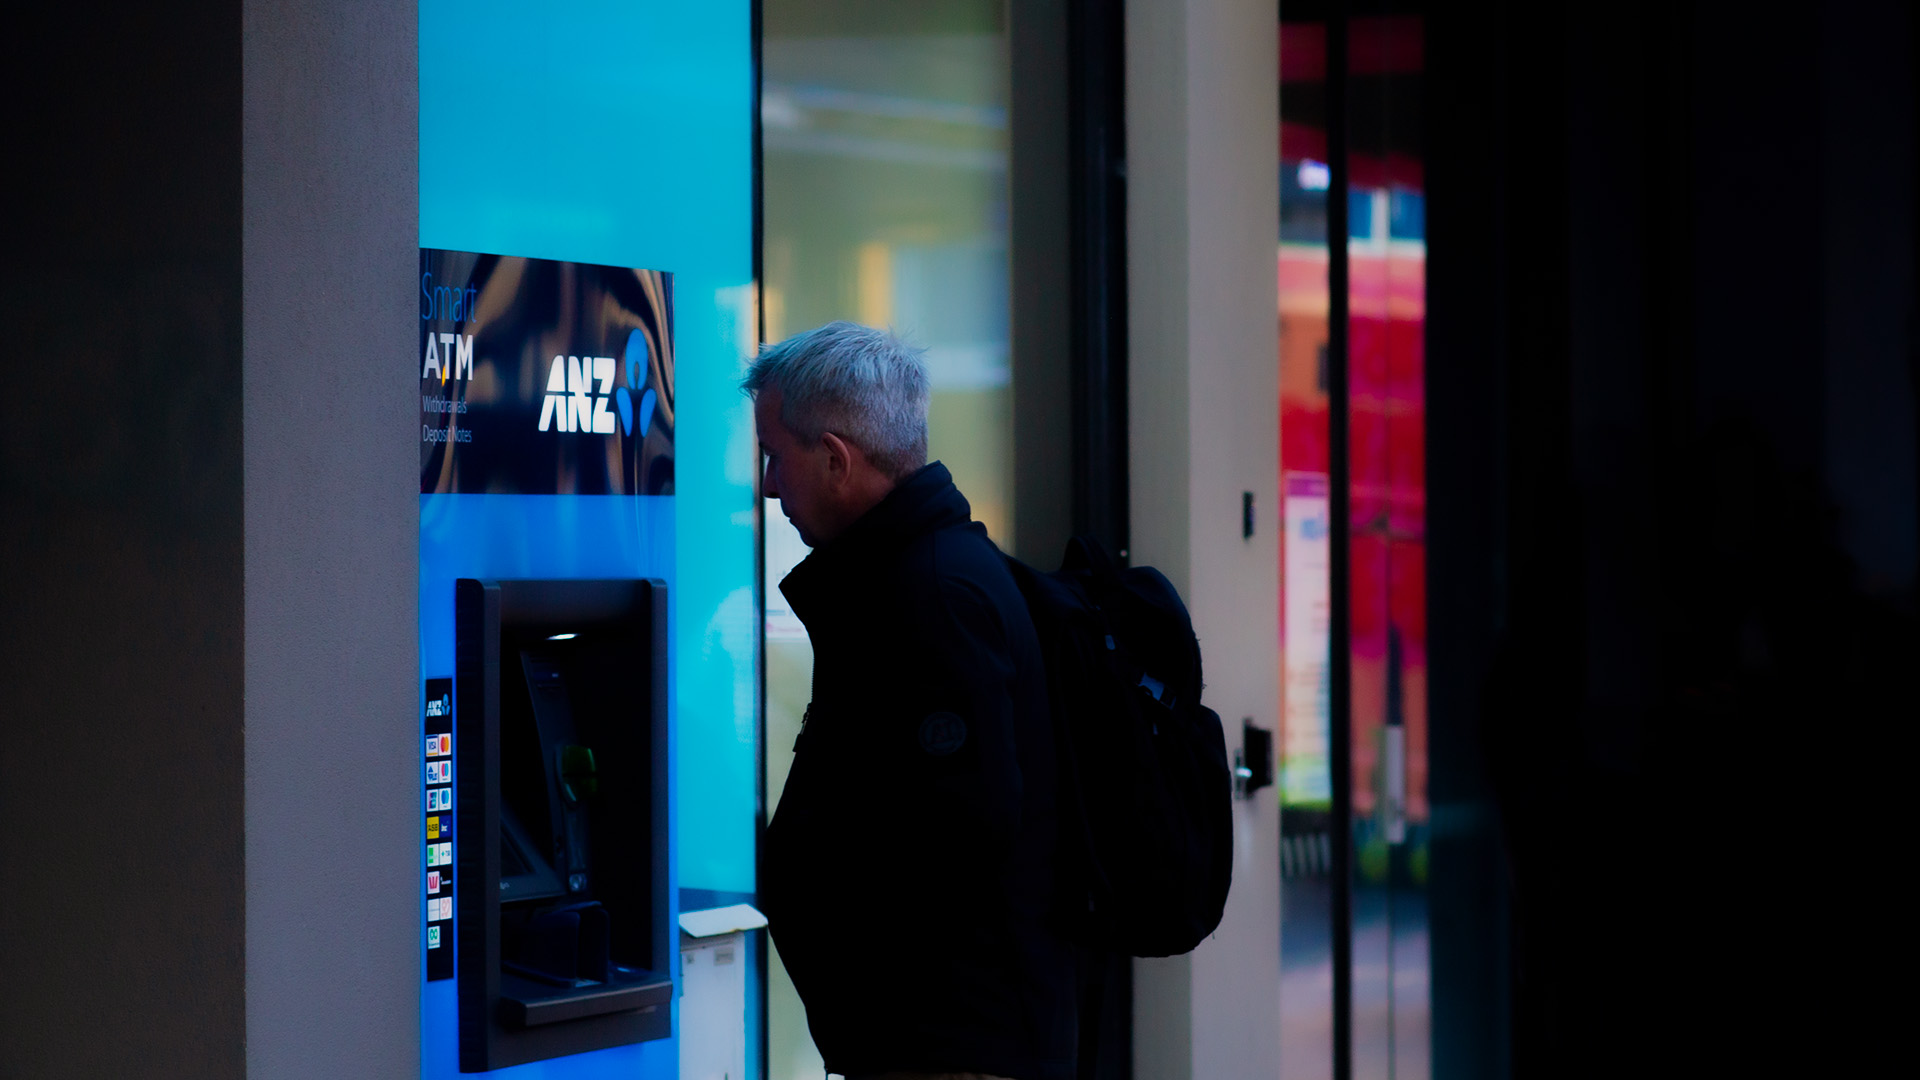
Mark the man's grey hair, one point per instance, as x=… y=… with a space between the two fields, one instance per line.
x=864 y=385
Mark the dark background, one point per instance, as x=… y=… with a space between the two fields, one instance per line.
x=1672 y=492
x=122 y=877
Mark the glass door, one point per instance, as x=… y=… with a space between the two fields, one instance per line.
x=1355 y=999
x=1386 y=438
x=1306 y=780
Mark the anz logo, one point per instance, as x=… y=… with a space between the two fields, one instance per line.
x=580 y=390
x=570 y=398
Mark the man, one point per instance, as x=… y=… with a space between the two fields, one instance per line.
x=908 y=865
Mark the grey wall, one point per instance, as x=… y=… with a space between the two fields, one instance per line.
x=121 y=889
x=331 y=540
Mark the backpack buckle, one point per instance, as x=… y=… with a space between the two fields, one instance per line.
x=1156 y=689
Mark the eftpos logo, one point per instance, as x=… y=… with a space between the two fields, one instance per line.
x=579 y=389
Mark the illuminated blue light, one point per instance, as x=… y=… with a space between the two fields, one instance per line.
x=617 y=133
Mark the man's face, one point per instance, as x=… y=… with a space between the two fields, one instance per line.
x=798 y=475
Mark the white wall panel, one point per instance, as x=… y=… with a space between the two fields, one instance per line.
x=1202 y=117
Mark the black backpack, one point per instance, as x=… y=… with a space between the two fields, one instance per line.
x=1146 y=816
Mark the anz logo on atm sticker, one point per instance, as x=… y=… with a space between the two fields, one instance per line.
x=580 y=393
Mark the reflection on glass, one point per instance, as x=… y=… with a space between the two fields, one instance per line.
x=1306 y=904
x=884 y=165
x=1386 y=251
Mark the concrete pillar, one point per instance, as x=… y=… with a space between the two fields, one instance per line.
x=1203 y=225
x=330 y=257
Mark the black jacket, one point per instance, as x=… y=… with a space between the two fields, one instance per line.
x=908 y=866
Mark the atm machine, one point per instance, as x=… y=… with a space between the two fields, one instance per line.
x=565 y=936
x=547 y=543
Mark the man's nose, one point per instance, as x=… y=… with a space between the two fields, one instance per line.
x=768 y=489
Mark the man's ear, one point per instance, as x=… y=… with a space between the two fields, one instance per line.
x=839 y=458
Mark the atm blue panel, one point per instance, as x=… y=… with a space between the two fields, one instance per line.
x=618 y=134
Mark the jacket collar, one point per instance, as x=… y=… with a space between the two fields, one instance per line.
x=925 y=502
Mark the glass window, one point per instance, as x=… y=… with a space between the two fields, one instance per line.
x=1386 y=382
x=1306 y=782
x=1385 y=254
x=884 y=177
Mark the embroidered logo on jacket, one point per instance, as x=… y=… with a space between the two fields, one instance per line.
x=942 y=733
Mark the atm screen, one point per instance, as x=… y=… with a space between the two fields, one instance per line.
x=573 y=731
x=526 y=817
